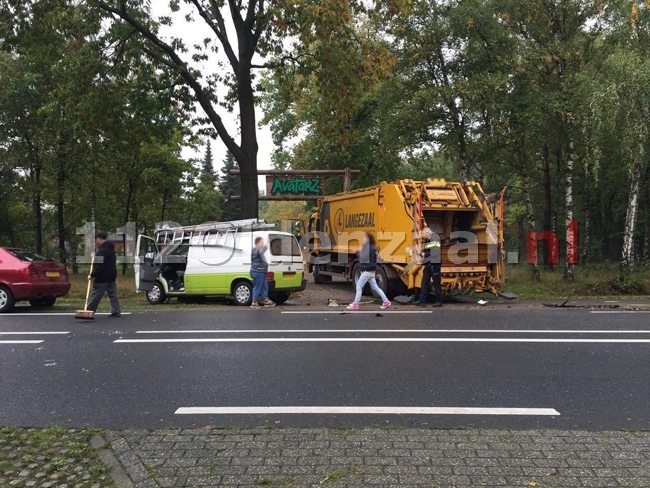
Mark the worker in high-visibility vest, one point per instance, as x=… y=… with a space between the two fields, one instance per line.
x=431 y=259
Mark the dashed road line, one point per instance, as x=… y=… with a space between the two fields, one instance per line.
x=366 y=410
x=383 y=339
x=53 y=314
x=356 y=312
x=34 y=333
x=21 y=342
x=388 y=331
x=619 y=311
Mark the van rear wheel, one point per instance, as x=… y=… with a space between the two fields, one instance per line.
x=242 y=293
x=280 y=297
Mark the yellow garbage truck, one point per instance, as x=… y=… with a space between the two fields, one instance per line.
x=468 y=222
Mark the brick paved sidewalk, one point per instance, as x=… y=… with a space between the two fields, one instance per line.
x=377 y=457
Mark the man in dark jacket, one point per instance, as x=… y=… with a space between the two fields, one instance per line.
x=103 y=274
x=431 y=262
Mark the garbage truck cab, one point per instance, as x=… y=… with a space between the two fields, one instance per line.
x=213 y=260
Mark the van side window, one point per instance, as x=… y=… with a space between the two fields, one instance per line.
x=181 y=250
x=284 y=246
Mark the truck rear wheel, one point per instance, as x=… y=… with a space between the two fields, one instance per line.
x=319 y=279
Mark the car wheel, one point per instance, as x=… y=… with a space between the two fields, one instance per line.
x=6 y=299
x=156 y=295
x=43 y=302
x=242 y=292
x=280 y=298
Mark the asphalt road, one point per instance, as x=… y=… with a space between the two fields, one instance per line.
x=584 y=370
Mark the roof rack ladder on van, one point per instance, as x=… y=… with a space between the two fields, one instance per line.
x=202 y=233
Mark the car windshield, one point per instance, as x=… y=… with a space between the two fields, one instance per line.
x=28 y=256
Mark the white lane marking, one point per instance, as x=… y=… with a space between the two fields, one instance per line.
x=365 y=410
x=619 y=311
x=353 y=312
x=388 y=331
x=53 y=314
x=383 y=339
x=34 y=333
x=21 y=342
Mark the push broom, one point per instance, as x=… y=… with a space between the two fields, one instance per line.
x=86 y=314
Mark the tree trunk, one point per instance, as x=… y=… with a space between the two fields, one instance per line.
x=60 y=204
x=569 y=268
x=530 y=216
x=38 y=214
x=627 y=255
x=163 y=209
x=646 y=232
x=585 y=240
x=462 y=145
x=37 y=194
x=248 y=167
x=548 y=202
x=73 y=250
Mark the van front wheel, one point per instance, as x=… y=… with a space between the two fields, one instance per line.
x=156 y=295
x=242 y=292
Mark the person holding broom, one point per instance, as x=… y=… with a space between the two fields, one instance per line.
x=104 y=273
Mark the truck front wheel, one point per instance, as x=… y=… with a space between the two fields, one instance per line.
x=382 y=281
x=356 y=275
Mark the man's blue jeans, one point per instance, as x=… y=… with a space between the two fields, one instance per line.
x=260 y=286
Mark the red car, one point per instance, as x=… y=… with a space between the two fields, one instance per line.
x=26 y=276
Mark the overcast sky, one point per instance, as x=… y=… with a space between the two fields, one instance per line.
x=194 y=33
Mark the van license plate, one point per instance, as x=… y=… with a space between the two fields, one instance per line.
x=52 y=274
x=289 y=275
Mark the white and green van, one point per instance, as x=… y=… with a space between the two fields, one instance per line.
x=213 y=260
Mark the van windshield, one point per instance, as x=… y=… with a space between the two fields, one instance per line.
x=284 y=245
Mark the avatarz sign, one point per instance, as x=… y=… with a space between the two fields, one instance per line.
x=294 y=186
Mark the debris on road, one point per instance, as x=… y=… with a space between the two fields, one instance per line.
x=561 y=305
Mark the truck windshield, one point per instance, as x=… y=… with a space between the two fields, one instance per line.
x=284 y=245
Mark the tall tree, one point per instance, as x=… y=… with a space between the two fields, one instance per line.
x=207 y=166
x=240 y=41
x=229 y=186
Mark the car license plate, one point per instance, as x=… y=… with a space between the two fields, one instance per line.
x=289 y=275
x=52 y=274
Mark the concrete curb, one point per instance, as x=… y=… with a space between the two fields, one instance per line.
x=119 y=475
